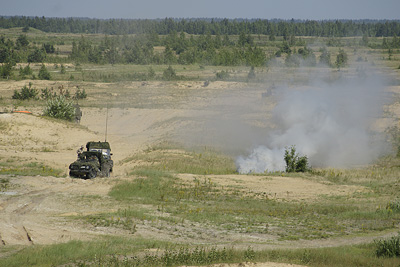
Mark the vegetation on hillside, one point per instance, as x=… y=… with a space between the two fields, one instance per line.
x=275 y=27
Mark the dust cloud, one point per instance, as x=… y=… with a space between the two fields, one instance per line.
x=327 y=118
x=328 y=121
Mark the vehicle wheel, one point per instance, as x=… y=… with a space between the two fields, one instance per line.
x=91 y=174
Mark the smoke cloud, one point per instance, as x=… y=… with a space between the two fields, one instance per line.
x=329 y=122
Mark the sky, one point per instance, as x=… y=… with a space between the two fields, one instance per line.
x=247 y=9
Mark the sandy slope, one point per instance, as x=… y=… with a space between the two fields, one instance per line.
x=41 y=210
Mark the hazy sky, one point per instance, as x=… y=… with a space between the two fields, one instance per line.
x=265 y=9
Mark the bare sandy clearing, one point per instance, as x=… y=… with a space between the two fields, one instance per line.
x=277 y=187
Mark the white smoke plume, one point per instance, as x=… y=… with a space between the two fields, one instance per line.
x=329 y=122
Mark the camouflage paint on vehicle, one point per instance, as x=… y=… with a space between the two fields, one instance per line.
x=96 y=161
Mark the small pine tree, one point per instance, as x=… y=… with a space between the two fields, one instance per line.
x=62 y=70
x=325 y=57
x=26 y=93
x=169 y=74
x=341 y=59
x=151 y=73
x=60 y=107
x=44 y=74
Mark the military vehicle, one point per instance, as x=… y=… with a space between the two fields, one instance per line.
x=95 y=161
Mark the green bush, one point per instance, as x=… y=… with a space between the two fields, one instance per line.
x=222 y=75
x=60 y=107
x=169 y=74
x=63 y=70
x=294 y=162
x=23 y=72
x=44 y=74
x=393 y=206
x=388 y=247
x=47 y=93
x=80 y=94
x=26 y=93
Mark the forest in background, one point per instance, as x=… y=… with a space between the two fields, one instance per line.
x=207 y=42
x=275 y=27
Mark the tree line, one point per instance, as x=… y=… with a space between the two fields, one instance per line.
x=322 y=28
x=140 y=49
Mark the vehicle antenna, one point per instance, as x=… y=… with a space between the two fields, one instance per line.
x=105 y=140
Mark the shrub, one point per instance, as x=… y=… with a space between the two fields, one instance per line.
x=26 y=93
x=294 y=162
x=389 y=247
x=80 y=94
x=222 y=75
x=169 y=74
x=151 y=73
x=25 y=71
x=44 y=74
x=6 y=70
x=37 y=55
x=63 y=70
x=60 y=107
x=393 y=206
x=47 y=93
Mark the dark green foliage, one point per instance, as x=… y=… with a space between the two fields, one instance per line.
x=341 y=59
x=62 y=70
x=245 y=40
x=49 y=48
x=249 y=254
x=388 y=247
x=26 y=71
x=80 y=94
x=325 y=57
x=26 y=93
x=285 y=48
x=169 y=74
x=294 y=162
x=151 y=73
x=308 y=56
x=6 y=70
x=37 y=55
x=47 y=93
x=287 y=28
x=44 y=74
x=25 y=29
x=22 y=41
x=60 y=107
x=393 y=206
x=222 y=75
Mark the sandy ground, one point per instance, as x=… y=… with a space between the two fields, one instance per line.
x=40 y=210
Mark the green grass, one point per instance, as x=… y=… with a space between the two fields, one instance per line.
x=206 y=202
x=14 y=166
x=77 y=253
x=167 y=158
x=135 y=252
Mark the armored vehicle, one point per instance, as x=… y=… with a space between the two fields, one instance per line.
x=96 y=161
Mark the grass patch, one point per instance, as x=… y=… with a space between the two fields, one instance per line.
x=388 y=247
x=78 y=253
x=14 y=166
x=167 y=158
x=127 y=252
x=206 y=202
x=4 y=184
